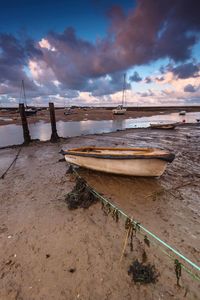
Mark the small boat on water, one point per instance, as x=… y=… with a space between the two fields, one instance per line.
x=120 y=110
x=182 y=113
x=29 y=111
x=124 y=161
x=163 y=126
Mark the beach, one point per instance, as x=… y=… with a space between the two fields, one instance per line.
x=50 y=252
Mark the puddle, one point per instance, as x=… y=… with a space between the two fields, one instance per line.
x=13 y=134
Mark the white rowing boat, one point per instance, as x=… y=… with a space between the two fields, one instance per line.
x=124 y=161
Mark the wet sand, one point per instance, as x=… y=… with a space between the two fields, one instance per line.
x=42 y=241
x=77 y=114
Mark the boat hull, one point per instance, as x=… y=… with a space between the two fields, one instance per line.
x=182 y=113
x=163 y=126
x=30 y=112
x=119 y=111
x=131 y=167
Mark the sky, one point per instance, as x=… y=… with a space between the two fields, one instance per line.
x=77 y=52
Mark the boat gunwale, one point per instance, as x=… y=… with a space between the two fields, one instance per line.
x=147 y=149
x=166 y=156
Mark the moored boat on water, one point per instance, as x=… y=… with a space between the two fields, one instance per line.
x=163 y=126
x=120 y=110
x=182 y=113
x=125 y=161
x=29 y=111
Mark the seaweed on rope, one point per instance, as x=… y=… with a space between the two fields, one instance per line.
x=133 y=227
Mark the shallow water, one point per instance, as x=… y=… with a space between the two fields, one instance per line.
x=12 y=134
x=5 y=119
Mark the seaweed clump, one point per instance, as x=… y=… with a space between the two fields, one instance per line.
x=80 y=196
x=143 y=273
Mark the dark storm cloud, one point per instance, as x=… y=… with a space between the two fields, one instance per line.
x=182 y=71
x=186 y=70
x=31 y=50
x=189 y=88
x=135 y=77
x=158 y=28
x=106 y=85
x=15 y=52
x=154 y=29
x=11 y=51
x=13 y=58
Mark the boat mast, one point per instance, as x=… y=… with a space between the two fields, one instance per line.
x=124 y=87
x=23 y=91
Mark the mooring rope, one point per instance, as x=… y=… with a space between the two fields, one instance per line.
x=14 y=160
x=147 y=232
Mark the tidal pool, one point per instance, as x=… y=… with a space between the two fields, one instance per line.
x=13 y=135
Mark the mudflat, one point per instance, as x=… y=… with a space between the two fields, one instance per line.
x=50 y=252
x=83 y=114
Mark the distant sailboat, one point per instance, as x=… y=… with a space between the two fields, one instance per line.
x=29 y=111
x=120 y=110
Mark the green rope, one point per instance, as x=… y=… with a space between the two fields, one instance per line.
x=147 y=232
x=14 y=160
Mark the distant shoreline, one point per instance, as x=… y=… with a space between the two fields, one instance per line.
x=173 y=107
x=96 y=114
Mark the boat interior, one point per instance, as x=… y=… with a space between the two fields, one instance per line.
x=118 y=151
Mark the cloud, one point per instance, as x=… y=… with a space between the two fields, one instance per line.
x=190 y=88
x=14 y=56
x=106 y=85
x=148 y=79
x=162 y=78
x=135 y=77
x=149 y=93
x=182 y=77
x=186 y=70
x=143 y=35
x=62 y=62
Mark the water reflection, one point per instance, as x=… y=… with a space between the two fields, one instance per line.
x=40 y=130
x=12 y=134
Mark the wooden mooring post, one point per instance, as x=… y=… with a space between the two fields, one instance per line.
x=54 y=134
x=27 y=138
